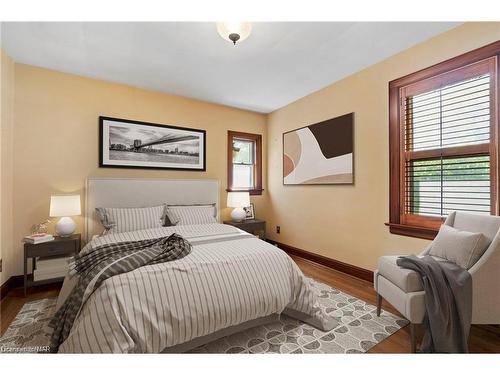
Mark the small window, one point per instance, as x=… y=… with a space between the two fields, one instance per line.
x=245 y=162
x=443 y=142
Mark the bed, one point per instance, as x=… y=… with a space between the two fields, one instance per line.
x=229 y=282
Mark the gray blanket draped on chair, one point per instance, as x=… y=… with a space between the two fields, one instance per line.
x=448 y=301
x=107 y=261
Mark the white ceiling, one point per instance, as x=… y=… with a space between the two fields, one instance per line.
x=279 y=62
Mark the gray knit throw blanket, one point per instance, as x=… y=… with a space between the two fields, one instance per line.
x=107 y=261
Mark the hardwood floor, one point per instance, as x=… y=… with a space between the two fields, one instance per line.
x=483 y=339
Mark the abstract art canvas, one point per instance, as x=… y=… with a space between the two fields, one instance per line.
x=321 y=153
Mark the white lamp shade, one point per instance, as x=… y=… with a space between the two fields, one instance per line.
x=238 y=199
x=65 y=205
x=225 y=29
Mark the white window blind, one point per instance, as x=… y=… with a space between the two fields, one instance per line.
x=447 y=146
x=455 y=115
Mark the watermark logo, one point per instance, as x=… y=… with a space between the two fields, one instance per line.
x=25 y=349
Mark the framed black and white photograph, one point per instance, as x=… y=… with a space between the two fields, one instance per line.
x=250 y=212
x=137 y=144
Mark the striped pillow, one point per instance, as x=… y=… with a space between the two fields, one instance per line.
x=192 y=214
x=119 y=220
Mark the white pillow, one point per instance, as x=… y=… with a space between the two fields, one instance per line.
x=458 y=246
x=192 y=214
x=119 y=220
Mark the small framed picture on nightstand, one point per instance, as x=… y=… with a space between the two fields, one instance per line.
x=250 y=212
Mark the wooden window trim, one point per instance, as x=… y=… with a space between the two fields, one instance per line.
x=257 y=138
x=416 y=225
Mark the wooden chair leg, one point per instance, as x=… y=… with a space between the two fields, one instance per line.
x=413 y=338
x=379 y=304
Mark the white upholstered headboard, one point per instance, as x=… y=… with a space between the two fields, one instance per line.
x=143 y=192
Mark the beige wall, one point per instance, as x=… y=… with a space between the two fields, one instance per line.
x=347 y=222
x=56 y=137
x=6 y=164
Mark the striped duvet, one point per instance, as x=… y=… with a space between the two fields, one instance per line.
x=229 y=278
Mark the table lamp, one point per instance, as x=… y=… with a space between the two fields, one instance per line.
x=238 y=200
x=64 y=206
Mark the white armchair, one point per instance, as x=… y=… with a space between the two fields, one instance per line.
x=403 y=289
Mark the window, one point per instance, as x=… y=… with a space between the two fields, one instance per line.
x=444 y=142
x=244 y=170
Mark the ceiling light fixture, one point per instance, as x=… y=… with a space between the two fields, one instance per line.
x=234 y=31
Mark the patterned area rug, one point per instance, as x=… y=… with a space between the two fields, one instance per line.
x=358 y=330
x=29 y=332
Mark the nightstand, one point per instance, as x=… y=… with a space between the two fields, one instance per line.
x=60 y=246
x=250 y=226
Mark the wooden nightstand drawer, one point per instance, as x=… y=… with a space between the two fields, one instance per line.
x=51 y=248
x=250 y=226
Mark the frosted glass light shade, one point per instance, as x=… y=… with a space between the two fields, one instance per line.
x=238 y=199
x=65 y=205
x=242 y=29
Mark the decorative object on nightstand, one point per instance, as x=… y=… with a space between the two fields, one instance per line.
x=251 y=226
x=238 y=200
x=65 y=206
x=40 y=228
x=249 y=212
x=52 y=257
